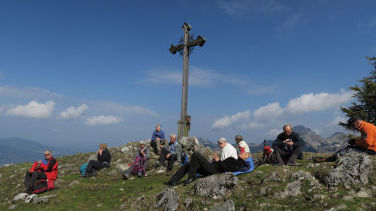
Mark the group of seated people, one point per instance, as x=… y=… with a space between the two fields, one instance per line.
x=284 y=151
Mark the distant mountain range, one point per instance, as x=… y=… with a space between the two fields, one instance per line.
x=313 y=141
x=18 y=150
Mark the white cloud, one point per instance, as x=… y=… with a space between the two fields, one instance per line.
x=247 y=7
x=229 y=120
x=290 y=22
x=318 y=102
x=270 y=111
x=27 y=92
x=103 y=120
x=273 y=132
x=33 y=109
x=252 y=125
x=73 y=112
x=336 y=120
x=108 y=106
x=197 y=77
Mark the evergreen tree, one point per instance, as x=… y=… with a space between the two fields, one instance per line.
x=365 y=95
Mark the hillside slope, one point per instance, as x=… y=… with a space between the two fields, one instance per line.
x=305 y=187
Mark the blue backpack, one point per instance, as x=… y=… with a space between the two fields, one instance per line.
x=83 y=169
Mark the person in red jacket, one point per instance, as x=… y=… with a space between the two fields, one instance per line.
x=42 y=175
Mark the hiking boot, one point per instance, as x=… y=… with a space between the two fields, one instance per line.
x=319 y=160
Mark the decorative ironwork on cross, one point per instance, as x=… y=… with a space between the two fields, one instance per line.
x=185 y=48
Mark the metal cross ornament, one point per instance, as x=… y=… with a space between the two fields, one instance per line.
x=186 y=47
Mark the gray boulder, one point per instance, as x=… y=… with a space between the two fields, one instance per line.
x=229 y=205
x=92 y=157
x=30 y=198
x=292 y=189
x=190 y=144
x=167 y=199
x=353 y=168
x=20 y=197
x=43 y=199
x=216 y=186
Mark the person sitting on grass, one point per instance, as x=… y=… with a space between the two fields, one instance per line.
x=366 y=143
x=199 y=164
x=242 y=146
x=103 y=161
x=288 y=146
x=139 y=164
x=227 y=150
x=42 y=175
x=173 y=152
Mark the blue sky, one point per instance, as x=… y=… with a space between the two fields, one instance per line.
x=84 y=72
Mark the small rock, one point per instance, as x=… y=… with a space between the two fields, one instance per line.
x=30 y=198
x=112 y=173
x=167 y=199
x=292 y=189
x=121 y=189
x=122 y=206
x=229 y=205
x=99 y=205
x=12 y=207
x=348 y=198
x=187 y=202
x=141 y=198
x=160 y=171
x=264 y=205
x=20 y=197
x=362 y=194
x=43 y=199
x=7 y=165
x=122 y=167
x=124 y=149
x=75 y=182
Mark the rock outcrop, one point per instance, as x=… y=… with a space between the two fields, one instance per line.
x=167 y=199
x=215 y=186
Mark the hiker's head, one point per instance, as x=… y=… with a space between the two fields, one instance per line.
x=355 y=122
x=142 y=145
x=222 y=142
x=103 y=146
x=47 y=154
x=287 y=129
x=238 y=138
x=158 y=127
x=172 y=137
x=267 y=150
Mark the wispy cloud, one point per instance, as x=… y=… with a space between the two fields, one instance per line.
x=109 y=106
x=274 y=111
x=247 y=7
x=33 y=109
x=290 y=22
x=229 y=120
x=103 y=120
x=371 y=23
x=273 y=132
x=197 y=77
x=73 y=112
x=27 y=92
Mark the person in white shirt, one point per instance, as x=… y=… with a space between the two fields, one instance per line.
x=242 y=146
x=227 y=149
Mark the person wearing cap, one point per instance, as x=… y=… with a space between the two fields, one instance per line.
x=287 y=146
x=158 y=139
x=42 y=175
x=366 y=143
x=267 y=156
x=242 y=146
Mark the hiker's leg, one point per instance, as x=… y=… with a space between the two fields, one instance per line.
x=94 y=165
x=153 y=144
x=36 y=175
x=199 y=162
x=279 y=153
x=164 y=152
x=180 y=173
x=27 y=179
x=295 y=153
x=171 y=161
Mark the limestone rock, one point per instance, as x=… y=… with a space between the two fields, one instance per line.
x=92 y=157
x=292 y=189
x=30 y=198
x=188 y=202
x=122 y=167
x=167 y=199
x=353 y=168
x=125 y=149
x=12 y=207
x=20 y=197
x=43 y=199
x=75 y=182
x=216 y=186
x=229 y=205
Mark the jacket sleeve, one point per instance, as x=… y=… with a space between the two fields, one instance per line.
x=298 y=140
x=153 y=136
x=366 y=139
x=277 y=143
x=162 y=136
x=32 y=169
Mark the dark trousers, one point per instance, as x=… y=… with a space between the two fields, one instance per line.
x=199 y=164
x=287 y=156
x=32 y=178
x=334 y=157
x=171 y=160
x=94 y=165
x=154 y=145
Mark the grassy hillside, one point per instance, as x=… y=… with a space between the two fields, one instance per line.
x=258 y=190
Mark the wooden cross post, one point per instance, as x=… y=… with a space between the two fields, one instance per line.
x=186 y=46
